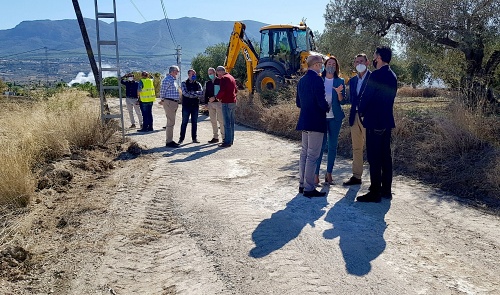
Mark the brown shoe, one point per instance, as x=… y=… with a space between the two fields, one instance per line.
x=352 y=181
x=213 y=140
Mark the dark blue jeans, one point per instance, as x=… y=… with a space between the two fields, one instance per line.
x=189 y=111
x=147 y=115
x=378 y=151
x=228 y=114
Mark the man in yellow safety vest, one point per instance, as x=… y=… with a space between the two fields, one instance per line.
x=147 y=97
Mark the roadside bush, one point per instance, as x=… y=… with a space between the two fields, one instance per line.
x=407 y=91
x=282 y=95
x=36 y=132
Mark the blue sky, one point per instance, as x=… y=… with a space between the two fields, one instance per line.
x=272 y=12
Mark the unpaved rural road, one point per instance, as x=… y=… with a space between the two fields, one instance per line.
x=204 y=220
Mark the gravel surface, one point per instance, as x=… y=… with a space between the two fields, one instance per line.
x=201 y=219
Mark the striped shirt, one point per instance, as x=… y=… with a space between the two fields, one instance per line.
x=169 y=88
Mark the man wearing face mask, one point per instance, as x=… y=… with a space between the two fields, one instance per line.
x=357 y=85
x=132 y=100
x=376 y=112
x=312 y=122
x=191 y=93
x=214 y=106
x=169 y=94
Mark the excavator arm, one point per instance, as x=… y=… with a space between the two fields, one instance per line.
x=239 y=42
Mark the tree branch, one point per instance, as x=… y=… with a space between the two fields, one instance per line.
x=492 y=63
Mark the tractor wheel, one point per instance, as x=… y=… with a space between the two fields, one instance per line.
x=268 y=80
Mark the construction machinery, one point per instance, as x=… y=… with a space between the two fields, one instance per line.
x=281 y=58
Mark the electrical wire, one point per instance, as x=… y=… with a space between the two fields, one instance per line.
x=138 y=10
x=22 y=52
x=168 y=23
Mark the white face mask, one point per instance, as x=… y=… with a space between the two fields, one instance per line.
x=361 y=68
x=131 y=78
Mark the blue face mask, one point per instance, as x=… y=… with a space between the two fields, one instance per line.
x=211 y=76
x=193 y=77
x=322 y=68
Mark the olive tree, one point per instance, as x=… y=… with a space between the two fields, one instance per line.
x=470 y=27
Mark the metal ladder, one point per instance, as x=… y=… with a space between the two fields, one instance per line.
x=106 y=113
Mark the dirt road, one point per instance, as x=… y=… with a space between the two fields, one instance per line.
x=204 y=220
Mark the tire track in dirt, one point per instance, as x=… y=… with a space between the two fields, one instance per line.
x=148 y=248
x=205 y=220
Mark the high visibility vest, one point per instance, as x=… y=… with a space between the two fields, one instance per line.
x=147 y=93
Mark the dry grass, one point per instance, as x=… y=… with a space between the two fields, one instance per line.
x=34 y=132
x=437 y=140
x=408 y=91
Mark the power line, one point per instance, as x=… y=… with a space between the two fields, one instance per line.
x=138 y=10
x=23 y=52
x=168 y=23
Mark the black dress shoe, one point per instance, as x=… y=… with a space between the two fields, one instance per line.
x=172 y=144
x=314 y=193
x=352 y=181
x=386 y=195
x=301 y=190
x=180 y=141
x=213 y=140
x=142 y=130
x=224 y=145
x=370 y=197
x=195 y=141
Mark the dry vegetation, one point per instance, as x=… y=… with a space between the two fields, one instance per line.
x=34 y=132
x=437 y=139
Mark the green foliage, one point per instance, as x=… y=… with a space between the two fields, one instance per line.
x=111 y=81
x=459 y=38
x=345 y=42
x=215 y=56
x=88 y=87
x=3 y=86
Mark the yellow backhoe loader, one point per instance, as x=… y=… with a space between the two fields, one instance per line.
x=282 y=57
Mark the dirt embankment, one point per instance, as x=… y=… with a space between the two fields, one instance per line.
x=205 y=220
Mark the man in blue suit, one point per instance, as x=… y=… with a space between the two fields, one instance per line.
x=357 y=85
x=312 y=122
x=376 y=112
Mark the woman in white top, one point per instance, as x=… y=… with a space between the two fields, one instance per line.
x=335 y=96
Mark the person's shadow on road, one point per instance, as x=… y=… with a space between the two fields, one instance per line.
x=285 y=225
x=360 y=228
x=196 y=152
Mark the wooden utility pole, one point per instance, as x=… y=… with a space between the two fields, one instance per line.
x=86 y=41
x=88 y=47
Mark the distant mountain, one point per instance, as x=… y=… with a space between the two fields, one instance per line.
x=46 y=45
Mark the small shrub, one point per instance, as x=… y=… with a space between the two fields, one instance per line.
x=48 y=130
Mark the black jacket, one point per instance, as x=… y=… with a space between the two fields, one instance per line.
x=377 y=102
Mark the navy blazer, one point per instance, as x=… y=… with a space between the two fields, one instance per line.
x=338 y=113
x=353 y=95
x=377 y=102
x=312 y=103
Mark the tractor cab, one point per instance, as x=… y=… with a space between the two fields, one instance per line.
x=283 y=49
x=284 y=44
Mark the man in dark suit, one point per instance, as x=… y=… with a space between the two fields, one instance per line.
x=376 y=112
x=357 y=85
x=312 y=122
